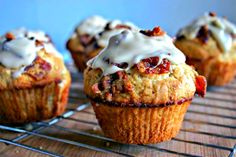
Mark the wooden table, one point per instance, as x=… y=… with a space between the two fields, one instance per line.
x=209 y=129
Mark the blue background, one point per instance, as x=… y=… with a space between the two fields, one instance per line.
x=59 y=17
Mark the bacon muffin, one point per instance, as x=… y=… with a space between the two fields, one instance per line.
x=34 y=82
x=140 y=87
x=91 y=36
x=209 y=43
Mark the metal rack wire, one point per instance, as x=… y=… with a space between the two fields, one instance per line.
x=221 y=95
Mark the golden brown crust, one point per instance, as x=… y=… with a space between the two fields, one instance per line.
x=45 y=69
x=138 y=88
x=34 y=104
x=198 y=50
x=217 y=72
x=80 y=53
x=218 y=67
x=140 y=125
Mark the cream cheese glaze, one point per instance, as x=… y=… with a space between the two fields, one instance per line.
x=131 y=47
x=17 y=52
x=21 y=51
x=96 y=26
x=38 y=35
x=103 y=37
x=91 y=25
x=220 y=28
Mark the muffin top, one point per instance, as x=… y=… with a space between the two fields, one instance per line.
x=211 y=27
x=128 y=48
x=141 y=68
x=113 y=28
x=38 y=35
x=91 y=25
x=94 y=32
x=28 y=58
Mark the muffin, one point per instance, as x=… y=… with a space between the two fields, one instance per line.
x=209 y=43
x=34 y=82
x=140 y=87
x=91 y=36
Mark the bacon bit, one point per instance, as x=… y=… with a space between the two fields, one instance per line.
x=106 y=82
x=95 y=88
x=213 y=14
x=58 y=80
x=203 y=34
x=157 y=31
x=9 y=36
x=38 y=43
x=121 y=74
x=149 y=66
x=45 y=66
x=38 y=69
x=123 y=26
x=201 y=85
x=123 y=65
x=108 y=96
x=117 y=88
x=128 y=86
x=118 y=26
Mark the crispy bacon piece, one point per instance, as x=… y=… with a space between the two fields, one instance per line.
x=38 y=69
x=201 y=84
x=149 y=66
x=95 y=88
x=108 y=96
x=213 y=14
x=203 y=34
x=157 y=31
x=38 y=43
x=122 y=26
x=9 y=36
x=106 y=82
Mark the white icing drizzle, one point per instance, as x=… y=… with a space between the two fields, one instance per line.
x=18 y=52
x=91 y=25
x=131 y=47
x=220 y=28
x=104 y=37
x=47 y=44
x=37 y=35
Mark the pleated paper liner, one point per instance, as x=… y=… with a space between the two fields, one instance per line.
x=136 y=125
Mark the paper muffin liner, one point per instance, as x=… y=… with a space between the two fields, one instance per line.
x=33 y=104
x=136 y=125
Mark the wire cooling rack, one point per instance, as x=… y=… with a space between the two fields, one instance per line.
x=209 y=129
